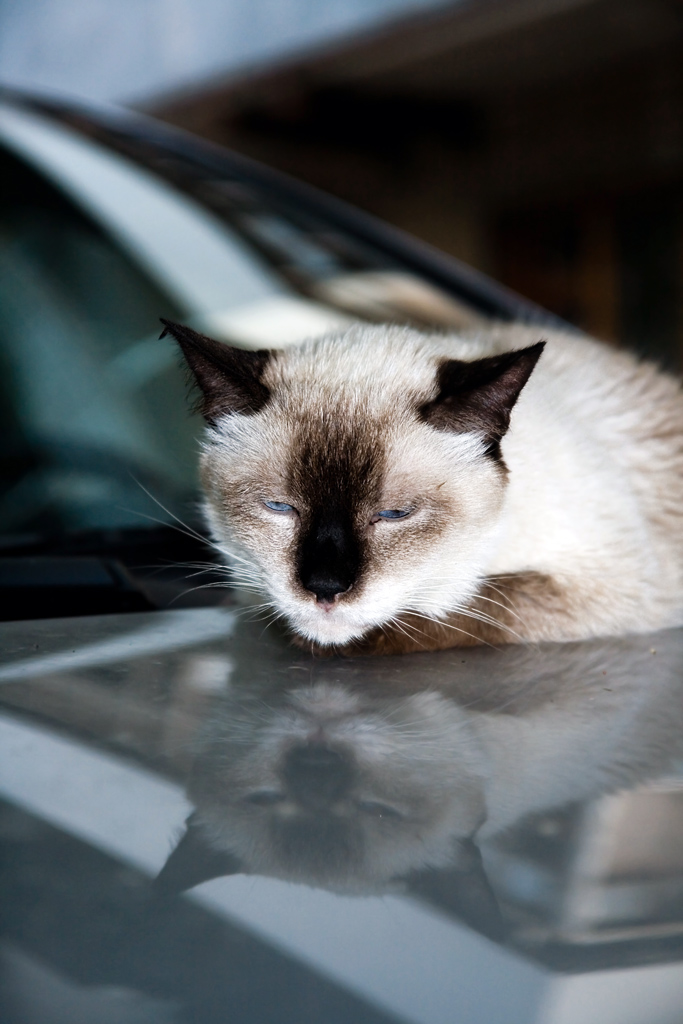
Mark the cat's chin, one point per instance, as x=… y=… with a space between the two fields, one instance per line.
x=327 y=629
x=329 y=637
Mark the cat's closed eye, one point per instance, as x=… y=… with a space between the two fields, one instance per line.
x=279 y=506
x=391 y=513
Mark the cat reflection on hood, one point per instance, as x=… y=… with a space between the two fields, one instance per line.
x=364 y=787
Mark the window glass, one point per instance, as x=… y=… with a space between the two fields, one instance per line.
x=93 y=405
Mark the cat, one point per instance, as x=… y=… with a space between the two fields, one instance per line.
x=365 y=779
x=390 y=491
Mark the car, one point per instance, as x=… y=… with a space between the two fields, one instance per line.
x=484 y=835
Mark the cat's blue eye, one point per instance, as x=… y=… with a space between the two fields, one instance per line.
x=394 y=513
x=279 y=506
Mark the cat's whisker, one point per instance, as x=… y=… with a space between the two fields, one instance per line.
x=259 y=613
x=487 y=620
x=505 y=607
x=233 y=556
x=203 y=572
x=415 y=629
x=188 y=529
x=245 y=580
x=479 y=615
x=425 y=593
x=274 y=617
x=227 y=584
x=192 y=590
x=252 y=569
x=249 y=570
x=199 y=568
x=451 y=625
x=492 y=580
x=400 y=626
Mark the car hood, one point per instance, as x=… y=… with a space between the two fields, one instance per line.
x=494 y=834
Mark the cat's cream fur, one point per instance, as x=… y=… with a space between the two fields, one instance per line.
x=576 y=532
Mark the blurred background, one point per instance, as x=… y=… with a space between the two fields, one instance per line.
x=541 y=141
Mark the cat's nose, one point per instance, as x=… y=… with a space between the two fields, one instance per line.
x=326 y=588
x=316 y=775
x=329 y=556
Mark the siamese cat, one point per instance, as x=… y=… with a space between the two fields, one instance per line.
x=389 y=491
x=368 y=779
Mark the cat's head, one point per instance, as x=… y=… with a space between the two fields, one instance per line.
x=332 y=787
x=355 y=477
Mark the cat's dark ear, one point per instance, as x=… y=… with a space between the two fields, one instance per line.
x=193 y=861
x=479 y=396
x=230 y=379
x=463 y=890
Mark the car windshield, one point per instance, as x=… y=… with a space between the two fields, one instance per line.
x=95 y=246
